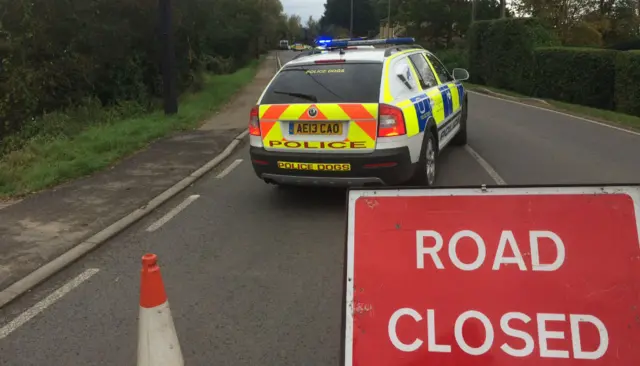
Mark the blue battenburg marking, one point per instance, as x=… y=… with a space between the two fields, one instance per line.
x=422 y=106
x=446 y=100
x=460 y=93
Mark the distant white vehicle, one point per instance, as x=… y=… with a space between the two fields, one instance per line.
x=284 y=44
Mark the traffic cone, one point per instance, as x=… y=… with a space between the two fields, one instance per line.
x=157 y=339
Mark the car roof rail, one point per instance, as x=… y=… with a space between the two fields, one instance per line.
x=394 y=49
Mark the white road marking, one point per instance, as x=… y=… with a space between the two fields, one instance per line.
x=487 y=167
x=171 y=214
x=228 y=169
x=46 y=302
x=561 y=113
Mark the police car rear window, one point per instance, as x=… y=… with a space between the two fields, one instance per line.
x=330 y=83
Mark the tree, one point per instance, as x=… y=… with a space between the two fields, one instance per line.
x=294 y=26
x=337 y=14
x=561 y=14
x=615 y=20
x=59 y=54
x=439 y=22
x=312 y=30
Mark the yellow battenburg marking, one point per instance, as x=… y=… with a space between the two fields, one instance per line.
x=455 y=98
x=333 y=112
x=438 y=106
x=262 y=109
x=275 y=134
x=387 y=97
x=372 y=108
x=411 y=119
x=405 y=103
x=357 y=134
x=293 y=112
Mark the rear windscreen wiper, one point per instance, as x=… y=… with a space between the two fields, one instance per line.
x=310 y=97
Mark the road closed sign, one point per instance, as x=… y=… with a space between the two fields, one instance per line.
x=493 y=276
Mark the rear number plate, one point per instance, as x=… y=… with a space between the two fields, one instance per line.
x=314 y=166
x=311 y=128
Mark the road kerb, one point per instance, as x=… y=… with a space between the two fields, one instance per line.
x=39 y=275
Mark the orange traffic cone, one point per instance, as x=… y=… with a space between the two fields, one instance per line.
x=157 y=339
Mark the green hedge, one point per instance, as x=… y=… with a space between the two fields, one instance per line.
x=56 y=55
x=627 y=85
x=476 y=36
x=456 y=57
x=523 y=55
x=501 y=51
x=583 y=76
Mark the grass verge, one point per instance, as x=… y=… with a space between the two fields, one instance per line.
x=595 y=114
x=47 y=161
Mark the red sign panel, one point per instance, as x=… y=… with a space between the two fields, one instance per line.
x=504 y=276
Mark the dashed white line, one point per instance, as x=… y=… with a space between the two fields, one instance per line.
x=486 y=166
x=228 y=169
x=171 y=214
x=46 y=302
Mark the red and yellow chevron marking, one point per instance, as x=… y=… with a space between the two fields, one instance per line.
x=362 y=125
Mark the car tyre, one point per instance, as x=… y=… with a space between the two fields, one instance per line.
x=426 y=168
x=460 y=138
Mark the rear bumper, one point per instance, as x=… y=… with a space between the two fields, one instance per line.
x=382 y=167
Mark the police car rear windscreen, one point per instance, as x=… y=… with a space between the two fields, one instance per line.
x=326 y=83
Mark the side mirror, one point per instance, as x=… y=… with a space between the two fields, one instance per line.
x=460 y=74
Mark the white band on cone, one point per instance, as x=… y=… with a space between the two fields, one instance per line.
x=157 y=338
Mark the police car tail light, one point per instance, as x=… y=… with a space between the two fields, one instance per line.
x=254 y=123
x=391 y=121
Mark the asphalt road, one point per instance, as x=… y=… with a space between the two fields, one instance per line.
x=253 y=272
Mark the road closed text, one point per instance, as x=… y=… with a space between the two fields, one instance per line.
x=432 y=247
x=523 y=344
x=430 y=244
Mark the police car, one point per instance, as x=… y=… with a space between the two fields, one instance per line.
x=358 y=117
x=298 y=47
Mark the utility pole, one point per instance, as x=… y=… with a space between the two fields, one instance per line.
x=351 y=26
x=168 y=59
x=503 y=8
x=473 y=11
x=389 y=19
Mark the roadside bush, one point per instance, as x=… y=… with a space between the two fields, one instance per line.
x=627 y=85
x=628 y=45
x=583 y=76
x=56 y=54
x=508 y=52
x=476 y=36
x=583 y=35
x=452 y=58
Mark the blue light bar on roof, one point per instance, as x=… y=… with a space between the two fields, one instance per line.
x=370 y=42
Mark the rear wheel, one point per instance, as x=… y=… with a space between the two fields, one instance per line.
x=461 y=137
x=425 y=174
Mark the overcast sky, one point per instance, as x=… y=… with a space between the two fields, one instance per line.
x=304 y=8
